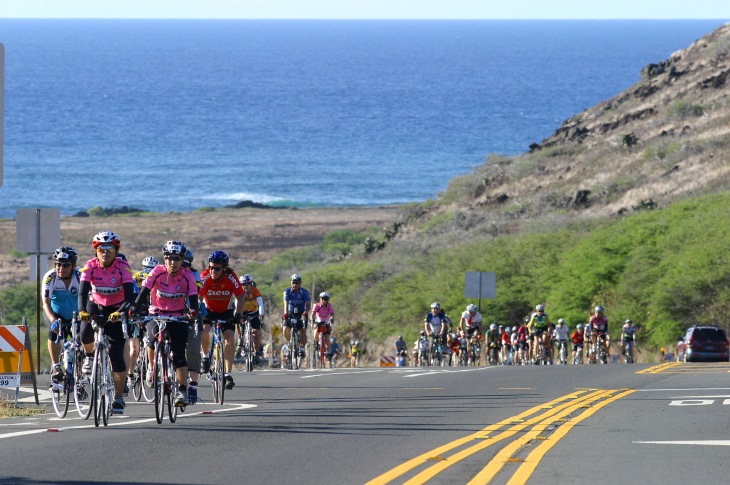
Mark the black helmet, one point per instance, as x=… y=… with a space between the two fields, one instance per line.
x=65 y=254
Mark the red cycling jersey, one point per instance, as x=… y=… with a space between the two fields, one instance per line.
x=218 y=293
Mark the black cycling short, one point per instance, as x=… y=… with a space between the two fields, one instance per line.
x=226 y=315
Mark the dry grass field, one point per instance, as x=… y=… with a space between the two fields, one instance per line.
x=246 y=234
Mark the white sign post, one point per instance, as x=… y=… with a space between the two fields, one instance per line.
x=38 y=231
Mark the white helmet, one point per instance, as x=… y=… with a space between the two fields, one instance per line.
x=561 y=321
x=471 y=308
x=579 y=326
x=150 y=262
x=540 y=308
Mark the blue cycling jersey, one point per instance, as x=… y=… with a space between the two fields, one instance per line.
x=296 y=300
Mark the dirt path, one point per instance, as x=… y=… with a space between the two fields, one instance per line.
x=246 y=234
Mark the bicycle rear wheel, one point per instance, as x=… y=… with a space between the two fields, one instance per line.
x=147 y=392
x=158 y=384
x=82 y=388
x=138 y=376
x=249 y=349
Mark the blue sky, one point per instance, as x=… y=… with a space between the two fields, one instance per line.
x=369 y=9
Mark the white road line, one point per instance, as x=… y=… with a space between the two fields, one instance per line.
x=686 y=389
x=341 y=373
x=114 y=422
x=697 y=443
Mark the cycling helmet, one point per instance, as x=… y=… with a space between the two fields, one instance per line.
x=493 y=327
x=423 y=333
x=188 y=256
x=174 y=247
x=245 y=279
x=66 y=254
x=540 y=308
x=514 y=329
x=352 y=342
x=333 y=339
x=324 y=295
x=121 y=256
x=106 y=237
x=561 y=321
x=471 y=308
x=501 y=326
x=507 y=330
x=436 y=305
x=579 y=326
x=219 y=257
x=628 y=320
x=296 y=277
x=400 y=337
x=599 y=309
x=150 y=262
x=527 y=319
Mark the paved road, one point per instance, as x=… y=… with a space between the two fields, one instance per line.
x=561 y=424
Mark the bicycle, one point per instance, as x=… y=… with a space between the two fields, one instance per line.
x=321 y=351
x=601 y=352
x=102 y=390
x=563 y=352
x=437 y=357
x=627 y=349
x=217 y=372
x=247 y=346
x=423 y=358
x=61 y=391
x=164 y=379
x=140 y=388
x=475 y=354
x=578 y=359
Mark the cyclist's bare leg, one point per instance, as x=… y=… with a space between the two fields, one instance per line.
x=205 y=339
x=133 y=354
x=302 y=337
x=229 y=349
x=54 y=349
x=120 y=378
x=182 y=375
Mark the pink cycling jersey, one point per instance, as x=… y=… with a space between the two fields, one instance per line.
x=107 y=283
x=167 y=292
x=323 y=313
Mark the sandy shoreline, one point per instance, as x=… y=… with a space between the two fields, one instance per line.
x=246 y=234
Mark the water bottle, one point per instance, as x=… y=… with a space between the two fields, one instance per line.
x=68 y=358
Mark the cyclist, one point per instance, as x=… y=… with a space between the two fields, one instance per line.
x=538 y=326
x=401 y=349
x=436 y=324
x=298 y=305
x=60 y=301
x=493 y=341
x=253 y=307
x=560 y=334
x=220 y=285
x=106 y=291
x=599 y=329
x=333 y=353
x=506 y=342
x=578 y=339
x=628 y=339
x=148 y=264
x=323 y=316
x=195 y=335
x=515 y=343
x=523 y=339
x=355 y=353
x=471 y=320
x=170 y=288
x=587 y=339
x=421 y=348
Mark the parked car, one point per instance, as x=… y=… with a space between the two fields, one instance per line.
x=704 y=342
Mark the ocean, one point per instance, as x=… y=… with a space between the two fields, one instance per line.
x=176 y=115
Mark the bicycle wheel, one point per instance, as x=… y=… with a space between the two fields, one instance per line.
x=138 y=377
x=82 y=387
x=172 y=386
x=219 y=373
x=158 y=384
x=249 y=349
x=97 y=395
x=60 y=396
x=147 y=392
x=107 y=386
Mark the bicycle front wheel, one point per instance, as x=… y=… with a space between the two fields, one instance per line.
x=171 y=379
x=97 y=379
x=82 y=388
x=219 y=373
x=158 y=384
x=147 y=392
x=60 y=396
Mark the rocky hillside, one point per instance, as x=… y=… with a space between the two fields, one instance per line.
x=663 y=139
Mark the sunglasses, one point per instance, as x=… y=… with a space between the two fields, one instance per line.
x=63 y=265
x=174 y=259
x=104 y=250
x=215 y=268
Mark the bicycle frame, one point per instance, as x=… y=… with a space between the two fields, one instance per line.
x=216 y=374
x=165 y=383
x=61 y=391
x=102 y=394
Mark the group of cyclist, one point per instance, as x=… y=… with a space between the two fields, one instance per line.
x=534 y=341
x=105 y=291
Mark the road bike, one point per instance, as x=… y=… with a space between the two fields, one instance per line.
x=140 y=388
x=102 y=379
x=321 y=359
x=423 y=358
x=437 y=354
x=217 y=372
x=627 y=349
x=164 y=378
x=493 y=354
x=295 y=354
x=563 y=352
x=475 y=353
x=578 y=358
x=600 y=352
x=246 y=344
x=62 y=389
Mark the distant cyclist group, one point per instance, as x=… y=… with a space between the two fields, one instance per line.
x=535 y=341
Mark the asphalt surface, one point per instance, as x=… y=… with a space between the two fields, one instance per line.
x=556 y=424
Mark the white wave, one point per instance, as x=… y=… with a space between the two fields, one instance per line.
x=239 y=196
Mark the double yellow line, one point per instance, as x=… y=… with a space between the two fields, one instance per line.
x=552 y=415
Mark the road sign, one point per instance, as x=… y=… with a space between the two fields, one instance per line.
x=480 y=285
x=37 y=230
x=9 y=381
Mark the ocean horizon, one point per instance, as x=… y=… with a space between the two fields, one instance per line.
x=178 y=115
